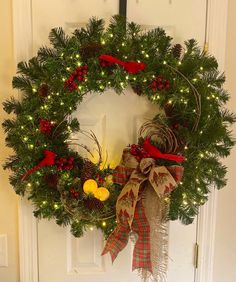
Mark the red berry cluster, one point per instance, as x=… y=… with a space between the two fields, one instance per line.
x=45 y=126
x=74 y=193
x=139 y=152
x=65 y=164
x=176 y=126
x=100 y=179
x=79 y=75
x=160 y=83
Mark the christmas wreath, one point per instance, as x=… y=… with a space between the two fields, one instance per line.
x=190 y=134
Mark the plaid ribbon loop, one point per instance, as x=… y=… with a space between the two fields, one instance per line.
x=130 y=212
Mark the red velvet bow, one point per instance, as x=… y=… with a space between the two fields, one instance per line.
x=156 y=153
x=131 y=67
x=49 y=159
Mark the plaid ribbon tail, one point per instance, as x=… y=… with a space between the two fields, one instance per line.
x=142 y=248
x=117 y=240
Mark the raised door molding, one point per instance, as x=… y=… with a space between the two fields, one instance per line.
x=28 y=249
x=216 y=30
x=216 y=39
x=93 y=262
x=28 y=243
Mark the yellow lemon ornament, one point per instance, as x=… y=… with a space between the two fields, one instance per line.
x=102 y=194
x=90 y=186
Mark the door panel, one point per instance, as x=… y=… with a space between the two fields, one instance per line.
x=185 y=19
x=118 y=119
x=115 y=126
x=67 y=14
x=115 y=120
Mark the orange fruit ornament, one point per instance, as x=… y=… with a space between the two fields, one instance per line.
x=102 y=194
x=90 y=186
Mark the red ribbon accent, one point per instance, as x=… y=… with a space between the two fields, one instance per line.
x=48 y=160
x=119 y=238
x=130 y=66
x=156 y=153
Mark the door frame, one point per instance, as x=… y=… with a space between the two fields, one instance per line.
x=28 y=249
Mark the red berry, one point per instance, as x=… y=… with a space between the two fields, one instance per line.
x=70 y=162
x=160 y=86
x=101 y=180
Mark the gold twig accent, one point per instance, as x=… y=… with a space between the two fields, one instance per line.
x=82 y=146
x=76 y=216
x=90 y=134
x=162 y=133
x=58 y=125
x=105 y=162
x=196 y=94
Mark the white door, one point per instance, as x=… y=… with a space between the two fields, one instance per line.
x=115 y=121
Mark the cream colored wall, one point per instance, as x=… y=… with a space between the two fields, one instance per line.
x=225 y=244
x=8 y=199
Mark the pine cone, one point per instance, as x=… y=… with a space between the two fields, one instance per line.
x=177 y=50
x=88 y=171
x=93 y=204
x=141 y=141
x=138 y=89
x=169 y=110
x=90 y=50
x=51 y=180
x=43 y=90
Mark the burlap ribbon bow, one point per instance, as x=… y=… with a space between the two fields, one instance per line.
x=130 y=210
